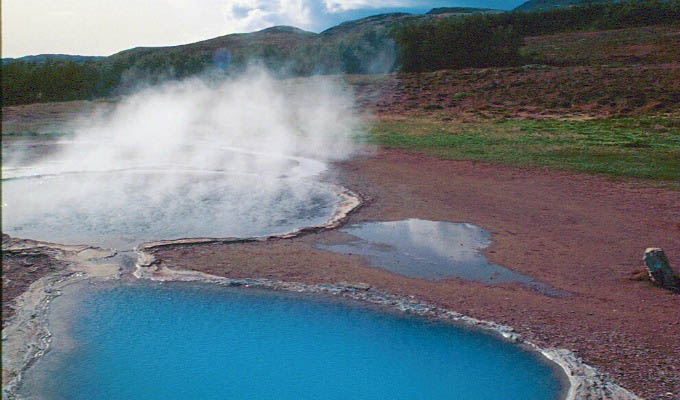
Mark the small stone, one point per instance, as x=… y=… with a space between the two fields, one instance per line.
x=356 y=285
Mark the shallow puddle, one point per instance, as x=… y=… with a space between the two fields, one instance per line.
x=431 y=250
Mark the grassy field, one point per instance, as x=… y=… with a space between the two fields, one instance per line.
x=639 y=147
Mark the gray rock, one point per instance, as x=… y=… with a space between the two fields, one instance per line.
x=355 y=285
x=660 y=271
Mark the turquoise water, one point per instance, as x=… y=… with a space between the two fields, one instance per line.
x=189 y=341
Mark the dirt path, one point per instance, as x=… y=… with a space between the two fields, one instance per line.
x=579 y=233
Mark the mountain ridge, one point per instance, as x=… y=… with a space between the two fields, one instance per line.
x=343 y=27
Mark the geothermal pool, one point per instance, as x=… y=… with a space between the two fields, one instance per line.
x=180 y=341
x=230 y=193
x=132 y=207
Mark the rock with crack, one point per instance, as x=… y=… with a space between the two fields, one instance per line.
x=660 y=271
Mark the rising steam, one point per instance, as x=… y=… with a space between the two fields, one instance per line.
x=184 y=122
x=198 y=157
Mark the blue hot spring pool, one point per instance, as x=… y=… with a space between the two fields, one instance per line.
x=196 y=341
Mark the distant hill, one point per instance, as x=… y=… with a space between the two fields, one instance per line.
x=284 y=36
x=223 y=52
x=462 y=10
x=42 y=58
x=380 y=20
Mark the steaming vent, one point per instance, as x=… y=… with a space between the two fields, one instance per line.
x=197 y=158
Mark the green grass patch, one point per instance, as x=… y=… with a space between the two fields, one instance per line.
x=639 y=147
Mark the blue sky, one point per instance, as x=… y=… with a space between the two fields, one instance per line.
x=104 y=27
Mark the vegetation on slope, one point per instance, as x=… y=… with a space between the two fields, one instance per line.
x=645 y=45
x=56 y=80
x=535 y=5
x=495 y=39
x=608 y=102
x=474 y=41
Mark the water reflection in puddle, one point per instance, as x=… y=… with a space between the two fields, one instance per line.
x=431 y=250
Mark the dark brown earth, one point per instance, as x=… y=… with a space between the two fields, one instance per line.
x=579 y=233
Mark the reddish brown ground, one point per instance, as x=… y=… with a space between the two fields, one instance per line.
x=580 y=233
x=43 y=118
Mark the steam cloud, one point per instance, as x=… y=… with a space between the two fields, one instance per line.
x=170 y=146
x=180 y=122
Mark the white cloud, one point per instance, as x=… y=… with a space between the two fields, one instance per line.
x=299 y=9
x=251 y=15
x=104 y=27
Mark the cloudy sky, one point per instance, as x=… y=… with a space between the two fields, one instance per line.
x=104 y=27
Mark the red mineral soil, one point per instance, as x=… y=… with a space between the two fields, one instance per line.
x=580 y=233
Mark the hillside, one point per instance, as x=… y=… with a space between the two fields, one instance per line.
x=374 y=21
x=361 y=46
x=536 y=5
x=269 y=45
x=462 y=10
x=280 y=36
x=43 y=58
x=443 y=38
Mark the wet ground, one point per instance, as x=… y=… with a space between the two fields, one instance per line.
x=19 y=270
